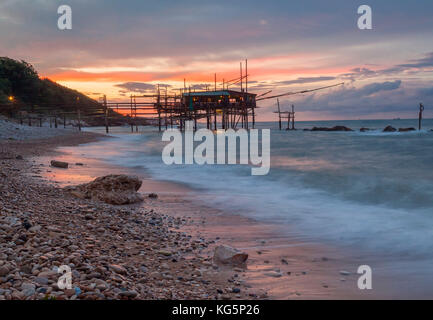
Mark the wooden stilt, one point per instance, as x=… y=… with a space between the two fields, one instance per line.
x=279 y=113
x=79 y=119
x=106 y=114
x=421 y=109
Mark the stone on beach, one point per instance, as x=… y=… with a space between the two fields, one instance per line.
x=112 y=189
x=118 y=269
x=4 y=270
x=59 y=164
x=228 y=255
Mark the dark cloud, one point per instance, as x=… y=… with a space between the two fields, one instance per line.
x=358 y=73
x=425 y=62
x=255 y=85
x=377 y=87
x=201 y=86
x=303 y=80
x=140 y=87
x=112 y=30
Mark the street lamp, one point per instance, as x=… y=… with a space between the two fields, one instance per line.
x=11 y=98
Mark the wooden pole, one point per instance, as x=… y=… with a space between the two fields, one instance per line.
x=279 y=112
x=288 y=120
x=79 y=119
x=131 y=119
x=135 y=114
x=77 y=100
x=421 y=109
x=106 y=114
x=215 y=118
x=159 y=109
x=165 y=111
x=241 y=76
x=293 y=117
x=207 y=116
x=246 y=75
x=254 y=117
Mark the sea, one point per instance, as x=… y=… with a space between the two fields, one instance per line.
x=369 y=191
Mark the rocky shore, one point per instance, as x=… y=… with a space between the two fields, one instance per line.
x=114 y=252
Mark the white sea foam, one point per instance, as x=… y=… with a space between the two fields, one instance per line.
x=371 y=190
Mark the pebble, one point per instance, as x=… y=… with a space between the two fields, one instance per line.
x=114 y=252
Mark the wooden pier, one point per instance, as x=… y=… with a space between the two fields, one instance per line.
x=221 y=108
x=289 y=115
x=228 y=106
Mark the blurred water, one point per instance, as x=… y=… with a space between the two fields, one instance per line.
x=373 y=189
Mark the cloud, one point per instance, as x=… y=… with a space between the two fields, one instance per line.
x=303 y=80
x=140 y=87
x=425 y=62
x=294 y=43
x=421 y=64
x=270 y=85
x=377 y=87
x=358 y=73
x=351 y=101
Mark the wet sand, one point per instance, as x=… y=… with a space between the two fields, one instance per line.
x=114 y=252
x=280 y=266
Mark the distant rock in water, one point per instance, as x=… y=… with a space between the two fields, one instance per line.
x=364 y=129
x=389 y=129
x=406 y=129
x=112 y=189
x=59 y=164
x=336 y=128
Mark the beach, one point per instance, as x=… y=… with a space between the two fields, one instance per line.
x=161 y=248
x=125 y=252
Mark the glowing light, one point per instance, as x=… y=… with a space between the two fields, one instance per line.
x=11 y=98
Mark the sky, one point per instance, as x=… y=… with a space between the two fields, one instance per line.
x=119 y=48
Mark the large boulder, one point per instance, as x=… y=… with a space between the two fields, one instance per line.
x=389 y=129
x=112 y=189
x=228 y=255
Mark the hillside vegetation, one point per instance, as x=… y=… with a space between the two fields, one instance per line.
x=21 y=89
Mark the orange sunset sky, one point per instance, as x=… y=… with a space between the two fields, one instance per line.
x=123 y=48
